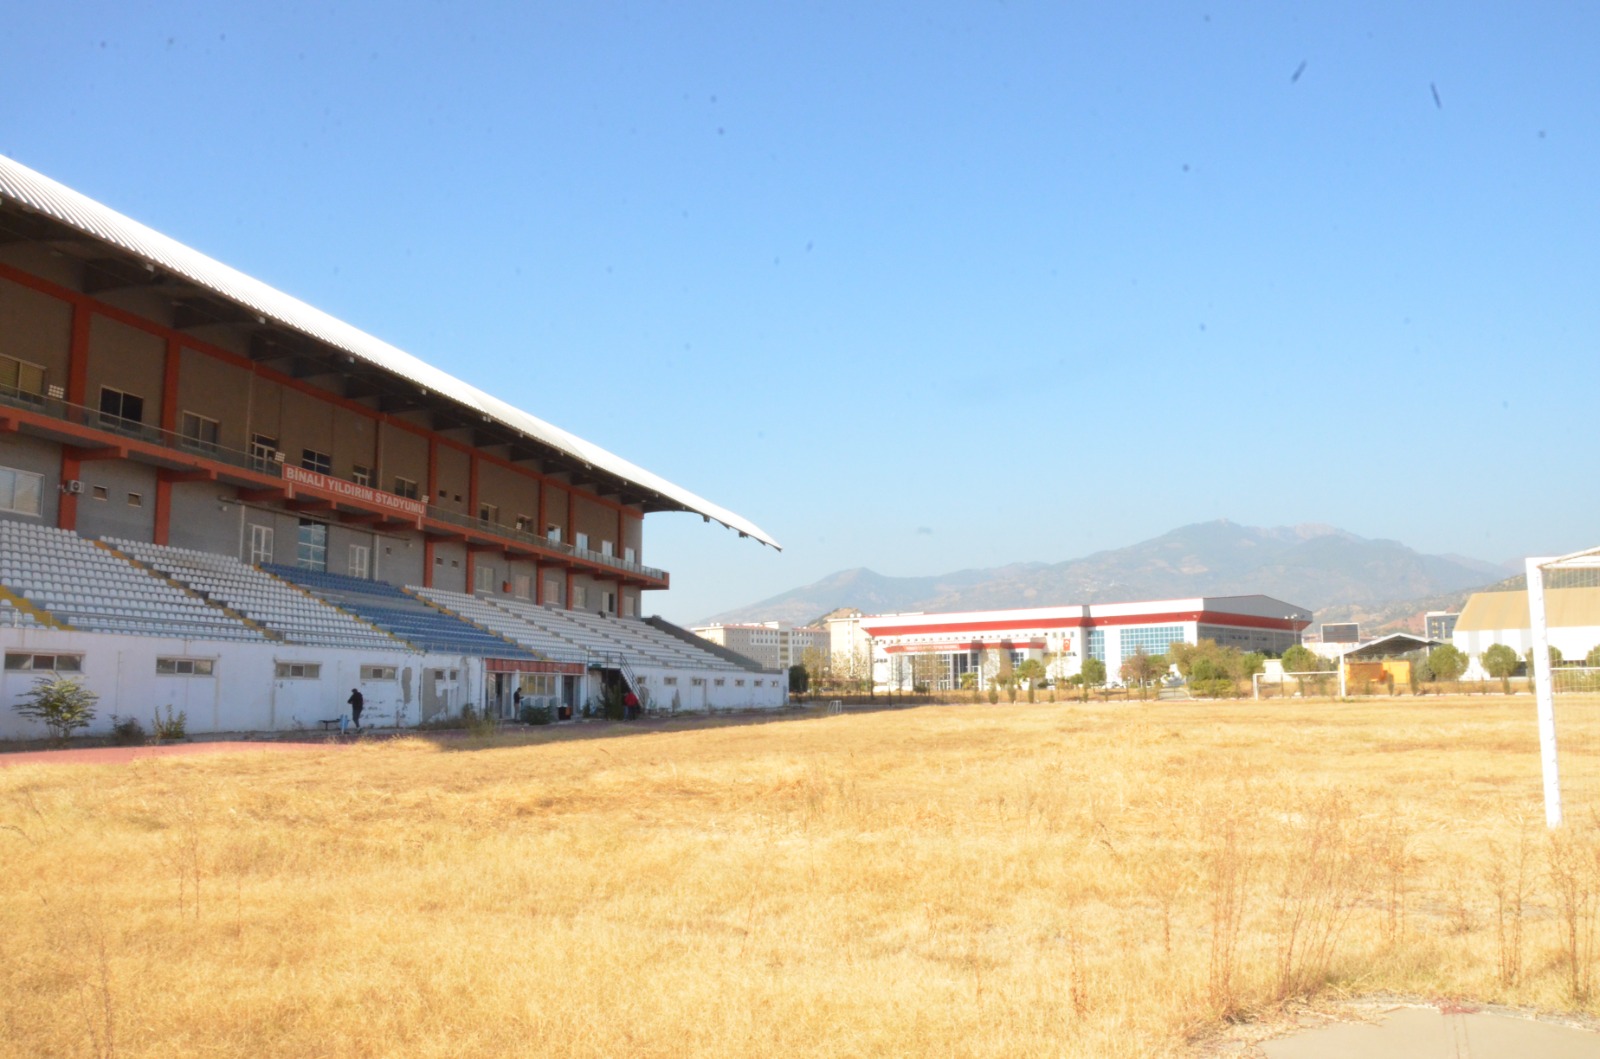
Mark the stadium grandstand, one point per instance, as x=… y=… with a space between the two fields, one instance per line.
x=215 y=496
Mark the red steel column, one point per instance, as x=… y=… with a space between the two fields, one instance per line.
x=169 y=423
x=77 y=388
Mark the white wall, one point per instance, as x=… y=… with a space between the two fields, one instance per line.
x=244 y=693
x=771 y=693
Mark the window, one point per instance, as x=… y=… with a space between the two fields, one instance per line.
x=581 y=541
x=552 y=590
x=360 y=561
x=552 y=533
x=721 y=681
x=198 y=432
x=738 y=683
x=299 y=670
x=629 y=555
x=18 y=378
x=21 y=492
x=698 y=682
x=669 y=680
x=260 y=545
x=121 y=410
x=184 y=667
x=608 y=602
x=523 y=524
x=606 y=549
x=361 y=475
x=136 y=500
x=522 y=586
x=1154 y=639
x=311 y=546
x=405 y=487
x=1095 y=644
x=483 y=578
x=312 y=460
x=377 y=673
x=263 y=453
x=100 y=492
x=44 y=663
x=488 y=513
x=580 y=597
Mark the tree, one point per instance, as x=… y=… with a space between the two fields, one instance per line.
x=1447 y=662
x=1592 y=659
x=1140 y=668
x=1032 y=671
x=62 y=703
x=799 y=679
x=1501 y=661
x=1093 y=674
x=1302 y=659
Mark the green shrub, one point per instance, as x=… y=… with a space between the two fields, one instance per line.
x=175 y=726
x=532 y=714
x=127 y=731
x=62 y=703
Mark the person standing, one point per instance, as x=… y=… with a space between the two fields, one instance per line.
x=357 y=702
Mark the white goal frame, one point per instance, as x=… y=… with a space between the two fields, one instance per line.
x=1543 y=682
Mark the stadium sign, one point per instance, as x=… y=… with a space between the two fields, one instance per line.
x=415 y=509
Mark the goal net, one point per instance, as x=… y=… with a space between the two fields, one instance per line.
x=1564 y=615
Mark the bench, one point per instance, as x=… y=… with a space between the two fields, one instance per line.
x=328 y=723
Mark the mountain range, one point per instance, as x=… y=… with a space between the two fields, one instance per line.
x=1337 y=574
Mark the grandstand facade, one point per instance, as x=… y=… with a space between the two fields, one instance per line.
x=207 y=477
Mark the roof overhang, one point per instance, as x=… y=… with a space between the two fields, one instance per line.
x=120 y=252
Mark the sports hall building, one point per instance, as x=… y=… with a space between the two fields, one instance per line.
x=216 y=496
x=939 y=649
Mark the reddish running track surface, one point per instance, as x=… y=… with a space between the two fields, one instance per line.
x=121 y=755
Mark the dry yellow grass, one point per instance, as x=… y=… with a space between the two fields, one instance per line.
x=1015 y=880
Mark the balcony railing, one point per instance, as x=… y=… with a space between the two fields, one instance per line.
x=254 y=461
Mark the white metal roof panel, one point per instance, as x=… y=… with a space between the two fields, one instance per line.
x=39 y=193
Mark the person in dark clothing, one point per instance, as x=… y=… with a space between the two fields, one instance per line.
x=356 y=702
x=516 y=702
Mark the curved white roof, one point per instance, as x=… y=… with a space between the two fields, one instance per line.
x=42 y=195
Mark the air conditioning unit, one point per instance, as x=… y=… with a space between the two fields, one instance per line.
x=72 y=485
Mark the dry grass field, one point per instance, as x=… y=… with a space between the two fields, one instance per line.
x=1084 y=880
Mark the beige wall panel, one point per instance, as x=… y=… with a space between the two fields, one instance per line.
x=36 y=328
x=405 y=455
x=353 y=436
x=127 y=359
x=217 y=390
x=307 y=424
x=148 y=304
x=450 y=491
x=266 y=408
x=555 y=510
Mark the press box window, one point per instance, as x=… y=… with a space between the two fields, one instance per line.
x=32 y=663
x=199 y=432
x=299 y=670
x=120 y=409
x=369 y=673
x=312 y=460
x=18 y=378
x=405 y=487
x=185 y=667
x=361 y=475
x=21 y=492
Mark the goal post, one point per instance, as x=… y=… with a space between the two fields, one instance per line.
x=1544 y=682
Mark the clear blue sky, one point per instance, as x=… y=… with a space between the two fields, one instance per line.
x=914 y=287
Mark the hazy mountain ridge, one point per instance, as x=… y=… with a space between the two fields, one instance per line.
x=1315 y=566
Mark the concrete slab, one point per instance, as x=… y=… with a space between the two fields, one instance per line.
x=1431 y=1033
